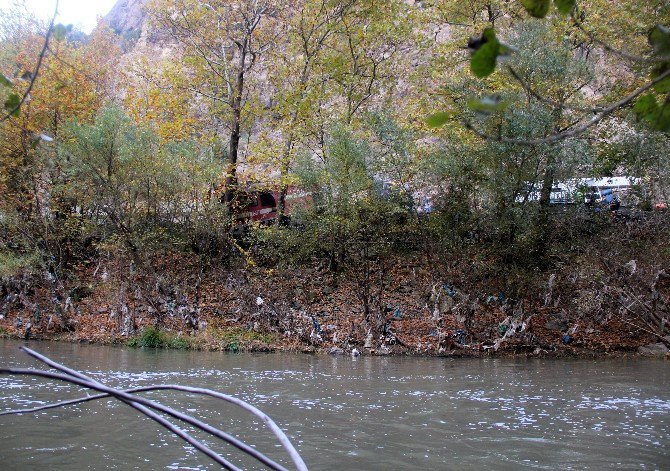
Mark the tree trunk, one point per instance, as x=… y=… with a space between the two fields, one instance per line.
x=283 y=186
x=236 y=105
x=543 y=226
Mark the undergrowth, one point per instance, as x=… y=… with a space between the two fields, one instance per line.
x=151 y=337
x=235 y=339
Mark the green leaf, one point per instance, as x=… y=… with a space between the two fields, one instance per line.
x=483 y=60
x=487 y=105
x=12 y=104
x=648 y=110
x=645 y=106
x=438 y=119
x=537 y=8
x=664 y=85
x=659 y=38
x=565 y=6
x=662 y=121
x=4 y=81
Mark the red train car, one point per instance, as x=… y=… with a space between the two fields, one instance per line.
x=261 y=205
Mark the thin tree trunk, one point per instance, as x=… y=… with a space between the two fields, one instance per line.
x=231 y=171
x=283 y=186
x=543 y=222
x=542 y=243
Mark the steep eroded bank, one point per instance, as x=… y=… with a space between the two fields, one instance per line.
x=609 y=295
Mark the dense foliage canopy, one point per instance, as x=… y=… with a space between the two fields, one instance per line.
x=401 y=136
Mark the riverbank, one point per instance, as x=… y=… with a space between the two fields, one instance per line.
x=180 y=343
x=436 y=322
x=539 y=335
x=600 y=302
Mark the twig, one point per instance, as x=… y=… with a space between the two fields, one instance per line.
x=642 y=328
x=214 y=431
x=526 y=86
x=172 y=387
x=131 y=401
x=142 y=404
x=607 y=47
x=575 y=130
x=33 y=77
x=135 y=402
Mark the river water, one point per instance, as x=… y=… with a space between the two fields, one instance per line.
x=344 y=413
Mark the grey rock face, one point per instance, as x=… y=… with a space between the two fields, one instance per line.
x=126 y=16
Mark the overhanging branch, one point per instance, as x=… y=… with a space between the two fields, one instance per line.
x=34 y=75
x=573 y=131
x=145 y=406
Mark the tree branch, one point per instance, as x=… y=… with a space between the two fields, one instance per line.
x=575 y=130
x=607 y=47
x=526 y=86
x=33 y=77
x=142 y=405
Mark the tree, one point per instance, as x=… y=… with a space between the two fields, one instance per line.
x=507 y=177
x=171 y=114
x=221 y=43
x=343 y=53
x=548 y=69
x=487 y=48
x=15 y=100
x=309 y=30
x=73 y=81
x=134 y=188
x=549 y=73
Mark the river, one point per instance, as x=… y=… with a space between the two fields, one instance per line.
x=342 y=413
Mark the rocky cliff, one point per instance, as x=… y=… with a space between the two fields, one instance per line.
x=126 y=16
